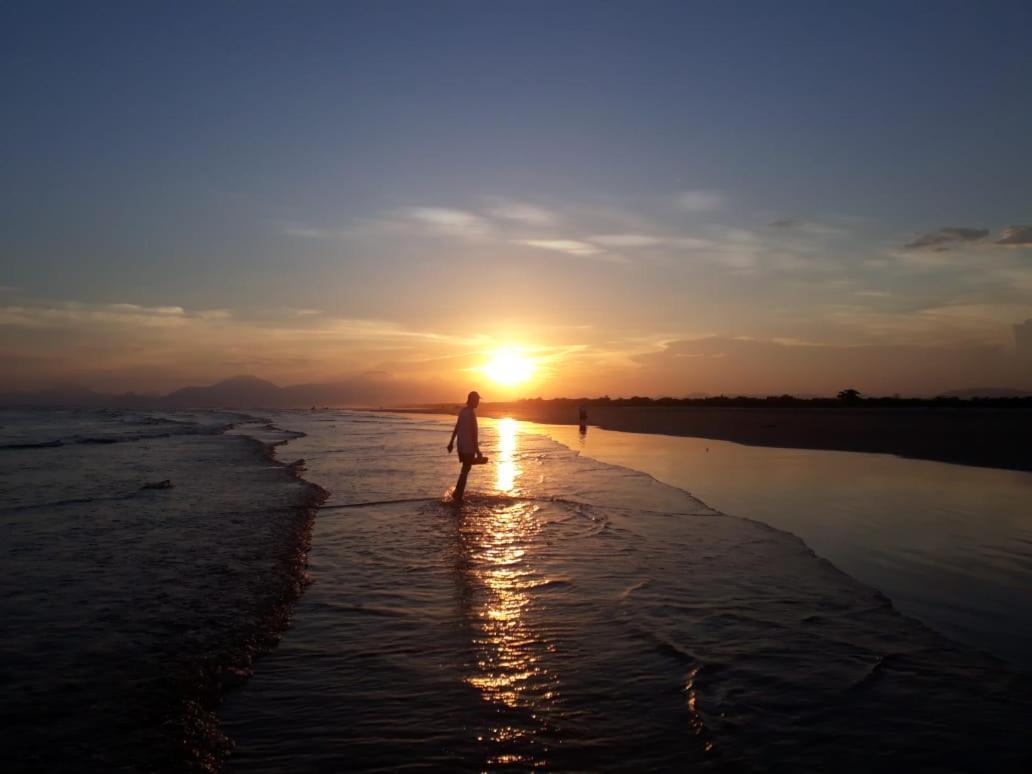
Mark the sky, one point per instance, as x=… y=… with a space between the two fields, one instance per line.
x=630 y=198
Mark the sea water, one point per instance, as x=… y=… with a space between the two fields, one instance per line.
x=573 y=614
x=129 y=604
x=949 y=544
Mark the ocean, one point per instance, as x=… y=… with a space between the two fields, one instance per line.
x=951 y=545
x=269 y=614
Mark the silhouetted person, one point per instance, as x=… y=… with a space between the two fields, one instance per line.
x=582 y=419
x=469 y=443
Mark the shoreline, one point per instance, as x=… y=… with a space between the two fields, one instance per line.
x=196 y=718
x=701 y=594
x=151 y=562
x=979 y=437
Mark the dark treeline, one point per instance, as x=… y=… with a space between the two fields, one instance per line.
x=790 y=401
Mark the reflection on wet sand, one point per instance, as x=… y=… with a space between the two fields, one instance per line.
x=497 y=576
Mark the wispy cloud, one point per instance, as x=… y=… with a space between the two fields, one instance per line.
x=571 y=246
x=575 y=247
x=626 y=240
x=1020 y=236
x=148 y=310
x=70 y=313
x=523 y=213
x=72 y=339
x=451 y=222
x=937 y=240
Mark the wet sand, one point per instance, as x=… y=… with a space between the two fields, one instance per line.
x=994 y=438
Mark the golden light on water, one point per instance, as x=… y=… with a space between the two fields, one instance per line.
x=507 y=470
x=506 y=668
x=501 y=579
x=509 y=367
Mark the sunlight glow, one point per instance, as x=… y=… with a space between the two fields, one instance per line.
x=509 y=367
x=507 y=470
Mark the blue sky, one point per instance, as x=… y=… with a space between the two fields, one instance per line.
x=332 y=188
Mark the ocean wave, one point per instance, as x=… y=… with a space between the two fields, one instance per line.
x=568 y=615
x=71 y=501
x=33 y=445
x=171 y=595
x=113 y=438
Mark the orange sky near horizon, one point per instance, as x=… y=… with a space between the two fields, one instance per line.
x=735 y=198
x=121 y=347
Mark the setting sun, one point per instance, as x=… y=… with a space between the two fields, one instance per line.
x=509 y=368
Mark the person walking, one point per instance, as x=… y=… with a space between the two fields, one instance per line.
x=468 y=443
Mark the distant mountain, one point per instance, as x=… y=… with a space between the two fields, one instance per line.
x=236 y=392
x=988 y=392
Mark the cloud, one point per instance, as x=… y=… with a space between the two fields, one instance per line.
x=938 y=240
x=159 y=347
x=1016 y=236
x=74 y=314
x=699 y=201
x=626 y=240
x=785 y=223
x=571 y=246
x=165 y=311
x=523 y=212
x=460 y=223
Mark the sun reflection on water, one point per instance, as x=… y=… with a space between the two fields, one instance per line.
x=499 y=579
x=507 y=469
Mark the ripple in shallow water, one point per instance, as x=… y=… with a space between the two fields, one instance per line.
x=572 y=615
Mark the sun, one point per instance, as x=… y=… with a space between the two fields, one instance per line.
x=509 y=367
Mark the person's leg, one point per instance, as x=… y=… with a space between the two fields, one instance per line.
x=460 y=485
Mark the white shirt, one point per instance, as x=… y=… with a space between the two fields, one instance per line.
x=466 y=431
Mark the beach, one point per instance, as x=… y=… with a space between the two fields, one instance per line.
x=516 y=386
x=969 y=436
x=342 y=613
x=578 y=615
